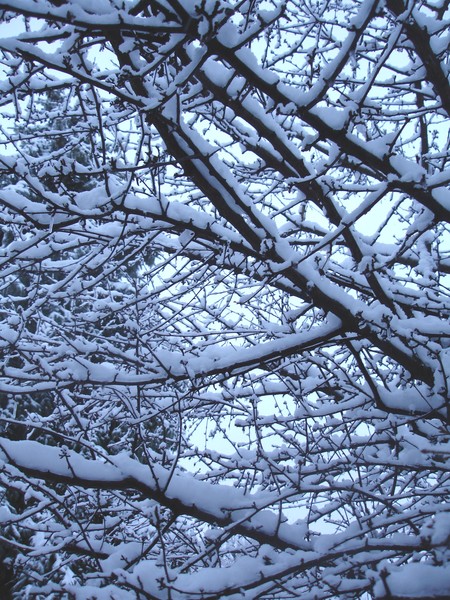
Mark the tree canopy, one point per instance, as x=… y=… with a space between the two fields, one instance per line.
x=224 y=305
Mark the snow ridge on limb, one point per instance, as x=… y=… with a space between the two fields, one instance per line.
x=181 y=492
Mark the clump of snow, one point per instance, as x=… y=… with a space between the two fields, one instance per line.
x=415 y=580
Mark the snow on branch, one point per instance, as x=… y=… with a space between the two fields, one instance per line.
x=224 y=299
